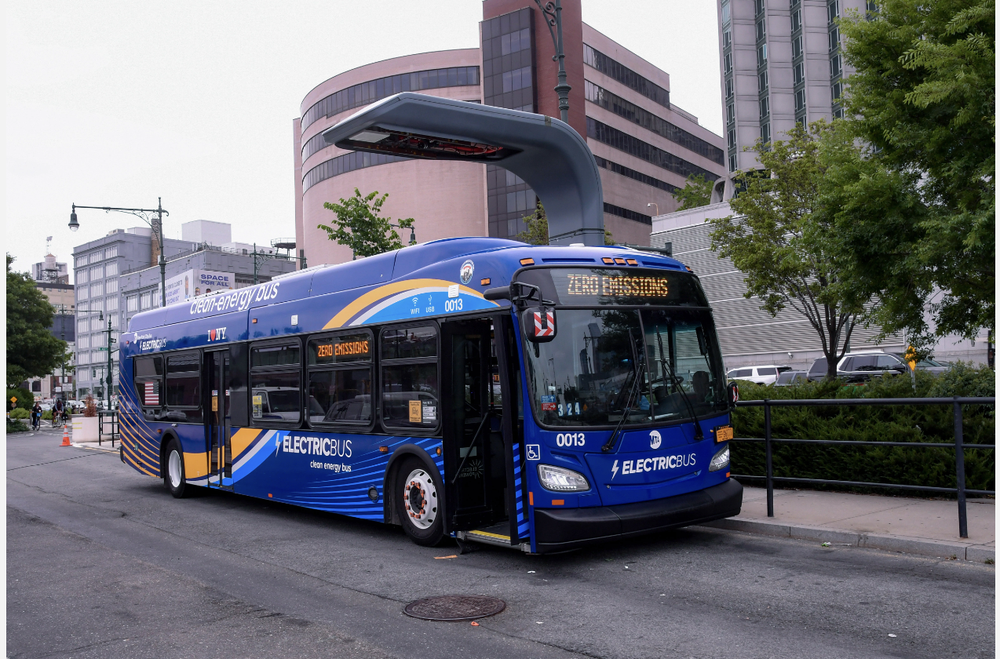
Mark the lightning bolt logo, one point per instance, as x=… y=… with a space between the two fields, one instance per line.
x=614 y=470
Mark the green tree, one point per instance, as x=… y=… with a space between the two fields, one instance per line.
x=32 y=351
x=359 y=225
x=536 y=229
x=781 y=239
x=696 y=192
x=924 y=96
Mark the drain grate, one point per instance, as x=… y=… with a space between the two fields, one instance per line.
x=454 y=607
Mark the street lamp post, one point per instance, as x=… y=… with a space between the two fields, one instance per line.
x=553 y=18
x=413 y=233
x=155 y=223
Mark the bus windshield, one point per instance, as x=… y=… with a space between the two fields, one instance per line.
x=586 y=375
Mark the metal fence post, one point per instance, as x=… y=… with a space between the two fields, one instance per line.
x=768 y=465
x=963 y=522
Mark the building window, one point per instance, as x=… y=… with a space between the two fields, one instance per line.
x=762 y=82
x=625 y=76
x=131 y=303
x=764 y=107
x=82 y=293
x=111 y=286
x=633 y=146
x=727 y=38
x=97 y=272
x=516 y=79
x=835 y=90
x=762 y=55
x=730 y=113
x=732 y=139
x=111 y=269
x=798 y=72
x=761 y=30
x=83 y=342
x=728 y=63
x=725 y=13
x=348 y=162
x=834 y=11
x=621 y=170
x=81 y=276
x=112 y=304
x=834 y=39
x=628 y=214
x=797 y=47
x=97 y=289
x=732 y=162
x=800 y=100
x=111 y=252
x=146 y=300
x=796 y=20
x=374 y=90
x=835 y=66
x=765 y=133
x=729 y=87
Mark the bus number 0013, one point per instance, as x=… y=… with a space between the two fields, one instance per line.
x=571 y=439
x=453 y=305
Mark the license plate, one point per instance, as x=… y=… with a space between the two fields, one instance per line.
x=723 y=433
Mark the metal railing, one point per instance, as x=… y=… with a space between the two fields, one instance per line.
x=107 y=426
x=959 y=490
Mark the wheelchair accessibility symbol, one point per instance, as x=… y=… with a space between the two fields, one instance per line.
x=534 y=453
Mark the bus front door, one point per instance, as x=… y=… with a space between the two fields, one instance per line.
x=218 y=420
x=476 y=479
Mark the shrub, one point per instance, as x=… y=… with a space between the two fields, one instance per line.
x=15 y=426
x=89 y=407
x=25 y=399
x=20 y=413
x=934 y=467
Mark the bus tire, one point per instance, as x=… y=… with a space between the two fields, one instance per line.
x=418 y=504
x=173 y=470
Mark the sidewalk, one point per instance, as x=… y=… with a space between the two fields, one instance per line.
x=915 y=526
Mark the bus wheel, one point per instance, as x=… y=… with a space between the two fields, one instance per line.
x=418 y=504
x=173 y=473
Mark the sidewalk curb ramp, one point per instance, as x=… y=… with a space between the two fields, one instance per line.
x=920 y=546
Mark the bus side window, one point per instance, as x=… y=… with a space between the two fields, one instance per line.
x=410 y=397
x=276 y=385
x=183 y=390
x=340 y=379
x=149 y=385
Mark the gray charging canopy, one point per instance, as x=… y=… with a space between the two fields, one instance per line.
x=546 y=153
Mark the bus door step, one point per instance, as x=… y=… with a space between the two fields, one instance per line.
x=497 y=535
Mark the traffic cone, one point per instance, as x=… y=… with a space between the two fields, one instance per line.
x=65 y=435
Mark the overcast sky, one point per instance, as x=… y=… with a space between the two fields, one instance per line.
x=116 y=103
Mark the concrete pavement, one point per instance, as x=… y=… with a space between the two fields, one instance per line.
x=911 y=525
x=927 y=527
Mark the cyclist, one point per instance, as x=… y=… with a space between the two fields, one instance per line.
x=58 y=412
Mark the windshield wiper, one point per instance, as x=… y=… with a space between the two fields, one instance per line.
x=636 y=376
x=664 y=362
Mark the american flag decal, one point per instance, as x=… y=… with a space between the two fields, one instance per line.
x=545 y=325
x=152 y=396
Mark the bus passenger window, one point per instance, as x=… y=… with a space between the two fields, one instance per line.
x=340 y=379
x=149 y=384
x=183 y=387
x=275 y=385
x=410 y=378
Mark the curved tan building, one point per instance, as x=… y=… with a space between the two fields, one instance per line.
x=643 y=144
x=445 y=199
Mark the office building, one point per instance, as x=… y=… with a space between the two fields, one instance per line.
x=782 y=64
x=117 y=277
x=52 y=279
x=645 y=145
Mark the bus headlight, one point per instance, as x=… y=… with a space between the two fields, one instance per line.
x=558 y=479
x=720 y=460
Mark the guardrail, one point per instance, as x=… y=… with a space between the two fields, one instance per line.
x=107 y=426
x=959 y=490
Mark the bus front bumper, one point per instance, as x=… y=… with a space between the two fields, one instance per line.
x=563 y=529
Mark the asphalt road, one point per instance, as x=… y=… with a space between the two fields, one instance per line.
x=102 y=562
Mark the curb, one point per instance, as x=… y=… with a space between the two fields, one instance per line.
x=920 y=546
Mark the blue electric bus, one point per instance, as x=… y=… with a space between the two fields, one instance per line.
x=535 y=397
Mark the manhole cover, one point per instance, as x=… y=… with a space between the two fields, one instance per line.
x=454 y=607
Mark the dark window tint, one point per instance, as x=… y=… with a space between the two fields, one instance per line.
x=183 y=363
x=148 y=367
x=409 y=343
x=275 y=356
x=276 y=397
x=410 y=396
x=343 y=395
x=818 y=366
x=767 y=371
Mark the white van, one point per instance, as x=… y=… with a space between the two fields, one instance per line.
x=758 y=374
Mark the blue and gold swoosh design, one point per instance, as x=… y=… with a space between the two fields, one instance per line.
x=411 y=298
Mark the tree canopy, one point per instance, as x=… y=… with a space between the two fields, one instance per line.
x=32 y=350
x=358 y=224
x=696 y=192
x=782 y=238
x=924 y=97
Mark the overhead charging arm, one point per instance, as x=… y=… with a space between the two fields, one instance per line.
x=544 y=152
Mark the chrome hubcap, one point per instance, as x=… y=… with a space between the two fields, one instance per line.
x=174 y=469
x=420 y=499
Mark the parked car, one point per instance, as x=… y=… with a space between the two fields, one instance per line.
x=860 y=366
x=789 y=378
x=758 y=374
x=928 y=364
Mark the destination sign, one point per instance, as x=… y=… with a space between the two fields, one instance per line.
x=626 y=286
x=338 y=349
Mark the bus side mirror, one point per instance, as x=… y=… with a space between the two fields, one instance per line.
x=498 y=293
x=539 y=324
x=734 y=394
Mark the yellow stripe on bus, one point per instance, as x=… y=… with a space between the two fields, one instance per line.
x=242 y=439
x=195 y=465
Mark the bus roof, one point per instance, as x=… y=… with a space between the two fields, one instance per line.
x=472 y=264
